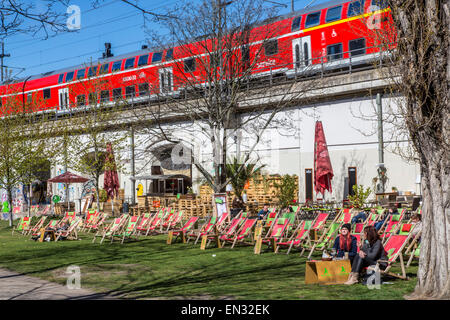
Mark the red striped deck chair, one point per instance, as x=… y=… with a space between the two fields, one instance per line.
x=320 y=221
x=358 y=240
x=185 y=229
x=35 y=229
x=206 y=229
x=394 y=249
x=358 y=228
x=96 y=223
x=372 y=219
x=278 y=231
x=175 y=221
x=345 y=217
x=44 y=210
x=23 y=226
x=34 y=209
x=115 y=227
x=300 y=234
x=230 y=231
x=242 y=234
x=271 y=217
x=143 y=224
x=129 y=231
x=222 y=222
x=391 y=225
x=90 y=218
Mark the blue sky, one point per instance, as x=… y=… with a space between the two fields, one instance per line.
x=111 y=21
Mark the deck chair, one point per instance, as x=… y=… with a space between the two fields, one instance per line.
x=44 y=211
x=155 y=225
x=372 y=219
x=113 y=228
x=90 y=218
x=394 y=248
x=358 y=228
x=244 y=232
x=96 y=222
x=414 y=254
x=277 y=232
x=230 y=231
x=184 y=230
x=175 y=221
x=324 y=240
x=71 y=233
x=271 y=217
x=143 y=224
x=390 y=226
x=128 y=232
x=221 y=223
x=35 y=229
x=23 y=226
x=345 y=217
x=206 y=229
x=300 y=235
x=291 y=220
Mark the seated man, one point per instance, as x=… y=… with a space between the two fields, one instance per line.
x=263 y=212
x=361 y=217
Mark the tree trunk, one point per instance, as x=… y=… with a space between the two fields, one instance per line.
x=433 y=278
x=10 y=206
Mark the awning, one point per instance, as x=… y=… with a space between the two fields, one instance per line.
x=161 y=177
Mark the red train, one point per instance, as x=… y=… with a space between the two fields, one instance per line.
x=330 y=35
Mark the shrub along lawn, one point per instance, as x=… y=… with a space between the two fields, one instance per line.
x=149 y=268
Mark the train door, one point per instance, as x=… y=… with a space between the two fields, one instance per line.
x=166 y=80
x=301 y=52
x=63 y=98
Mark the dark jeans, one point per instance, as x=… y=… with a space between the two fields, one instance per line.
x=360 y=217
x=360 y=263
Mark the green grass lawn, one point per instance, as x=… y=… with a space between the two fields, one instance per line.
x=150 y=268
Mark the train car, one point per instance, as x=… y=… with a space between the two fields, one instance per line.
x=331 y=35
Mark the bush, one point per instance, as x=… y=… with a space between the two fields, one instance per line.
x=286 y=190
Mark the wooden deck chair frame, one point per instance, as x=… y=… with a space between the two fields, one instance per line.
x=243 y=233
x=321 y=226
x=175 y=221
x=206 y=229
x=272 y=239
x=23 y=226
x=231 y=230
x=412 y=249
x=299 y=235
x=117 y=224
x=97 y=223
x=393 y=260
x=70 y=233
x=37 y=226
x=324 y=239
x=182 y=232
x=128 y=231
x=143 y=224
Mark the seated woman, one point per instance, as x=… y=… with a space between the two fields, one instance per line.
x=370 y=252
x=345 y=242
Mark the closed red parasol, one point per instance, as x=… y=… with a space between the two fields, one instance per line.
x=111 y=178
x=323 y=172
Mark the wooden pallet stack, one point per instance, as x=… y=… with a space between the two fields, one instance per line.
x=191 y=208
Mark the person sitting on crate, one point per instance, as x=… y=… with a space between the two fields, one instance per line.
x=345 y=243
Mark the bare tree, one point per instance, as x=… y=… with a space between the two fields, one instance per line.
x=208 y=91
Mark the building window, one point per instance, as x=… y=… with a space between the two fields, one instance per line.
x=189 y=65
x=333 y=14
x=46 y=93
x=334 y=52
x=357 y=47
x=143 y=89
x=352 y=180
x=308 y=185
x=312 y=19
x=271 y=47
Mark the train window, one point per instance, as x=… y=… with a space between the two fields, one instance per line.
x=333 y=14
x=381 y=4
x=117 y=93
x=80 y=73
x=246 y=56
x=130 y=92
x=169 y=54
x=157 y=57
x=306 y=53
x=296 y=23
x=92 y=71
x=313 y=19
x=104 y=68
x=271 y=47
x=334 y=52
x=357 y=47
x=61 y=78
x=116 y=66
x=129 y=63
x=92 y=97
x=143 y=60
x=69 y=76
x=81 y=100
x=355 y=8
x=143 y=89
x=46 y=93
x=104 y=96
x=189 y=65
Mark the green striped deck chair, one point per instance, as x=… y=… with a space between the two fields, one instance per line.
x=23 y=226
x=414 y=254
x=291 y=217
x=36 y=228
x=143 y=223
x=207 y=228
x=71 y=232
x=297 y=238
x=242 y=234
x=113 y=228
x=185 y=229
x=278 y=231
x=325 y=239
x=129 y=230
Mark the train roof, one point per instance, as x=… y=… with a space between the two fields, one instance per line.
x=157 y=49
